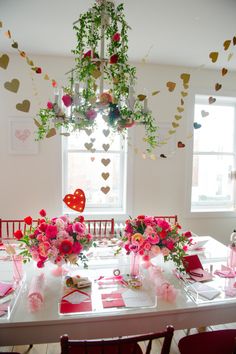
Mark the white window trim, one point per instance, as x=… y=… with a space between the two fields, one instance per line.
x=189 y=157
x=128 y=190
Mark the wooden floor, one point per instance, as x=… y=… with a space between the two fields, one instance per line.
x=54 y=348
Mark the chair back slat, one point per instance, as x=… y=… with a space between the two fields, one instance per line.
x=101 y=228
x=172 y=219
x=9 y=226
x=126 y=345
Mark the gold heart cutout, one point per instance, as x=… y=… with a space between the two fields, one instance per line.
x=178 y=117
x=227 y=44
x=29 y=62
x=52 y=132
x=105 y=147
x=213 y=56
x=182 y=102
x=218 y=86
x=211 y=100
x=14 y=45
x=105 y=175
x=180 y=109
x=154 y=93
x=171 y=131
x=175 y=125
x=88 y=132
x=12 y=85
x=0 y=24
x=4 y=61
x=224 y=71
x=105 y=162
x=141 y=97
x=106 y=132
x=88 y=146
x=185 y=77
x=46 y=77
x=24 y=106
x=36 y=122
x=186 y=86
x=171 y=86
x=96 y=73
x=234 y=40
x=184 y=93
x=105 y=190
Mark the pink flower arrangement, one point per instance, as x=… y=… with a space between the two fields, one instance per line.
x=57 y=240
x=149 y=236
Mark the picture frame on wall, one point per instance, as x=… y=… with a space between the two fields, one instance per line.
x=22 y=136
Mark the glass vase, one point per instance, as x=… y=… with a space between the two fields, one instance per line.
x=134 y=265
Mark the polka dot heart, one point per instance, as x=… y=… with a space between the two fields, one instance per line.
x=75 y=201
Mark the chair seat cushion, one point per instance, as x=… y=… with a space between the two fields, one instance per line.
x=129 y=348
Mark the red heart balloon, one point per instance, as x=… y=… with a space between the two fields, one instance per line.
x=76 y=201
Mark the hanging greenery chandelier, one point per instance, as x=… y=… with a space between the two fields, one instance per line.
x=102 y=82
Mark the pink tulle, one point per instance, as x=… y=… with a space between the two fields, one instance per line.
x=36 y=293
x=167 y=292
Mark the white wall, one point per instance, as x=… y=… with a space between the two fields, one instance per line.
x=31 y=182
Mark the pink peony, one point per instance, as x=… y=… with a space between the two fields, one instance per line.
x=163 y=224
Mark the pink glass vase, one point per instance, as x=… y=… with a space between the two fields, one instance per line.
x=134 y=265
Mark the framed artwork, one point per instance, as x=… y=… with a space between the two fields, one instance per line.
x=22 y=136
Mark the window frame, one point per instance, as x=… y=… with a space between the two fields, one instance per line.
x=189 y=156
x=127 y=190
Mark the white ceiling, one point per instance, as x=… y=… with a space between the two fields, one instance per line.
x=177 y=32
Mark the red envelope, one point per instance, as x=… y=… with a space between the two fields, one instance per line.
x=75 y=301
x=192 y=262
x=112 y=300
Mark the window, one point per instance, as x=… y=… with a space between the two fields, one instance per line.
x=214 y=153
x=96 y=162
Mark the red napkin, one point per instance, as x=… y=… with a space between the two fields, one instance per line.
x=112 y=300
x=75 y=301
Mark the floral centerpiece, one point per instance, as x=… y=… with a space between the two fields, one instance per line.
x=57 y=240
x=149 y=236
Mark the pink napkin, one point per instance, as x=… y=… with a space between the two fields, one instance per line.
x=225 y=272
x=5 y=288
x=36 y=292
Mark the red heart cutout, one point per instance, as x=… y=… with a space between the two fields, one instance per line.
x=76 y=201
x=180 y=144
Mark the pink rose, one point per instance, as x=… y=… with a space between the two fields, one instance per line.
x=79 y=227
x=163 y=224
x=91 y=114
x=187 y=234
x=40 y=264
x=67 y=100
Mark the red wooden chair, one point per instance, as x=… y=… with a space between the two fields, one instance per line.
x=126 y=345
x=8 y=227
x=101 y=228
x=215 y=342
x=173 y=219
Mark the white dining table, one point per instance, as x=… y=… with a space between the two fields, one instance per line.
x=47 y=324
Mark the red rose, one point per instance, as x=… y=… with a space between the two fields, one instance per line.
x=28 y=220
x=114 y=59
x=32 y=236
x=81 y=218
x=40 y=264
x=42 y=213
x=88 y=54
x=38 y=70
x=141 y=217
x=49 y=105
x=116 y=37
x=43 y=227
x=18 y=234
x=187 y=234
